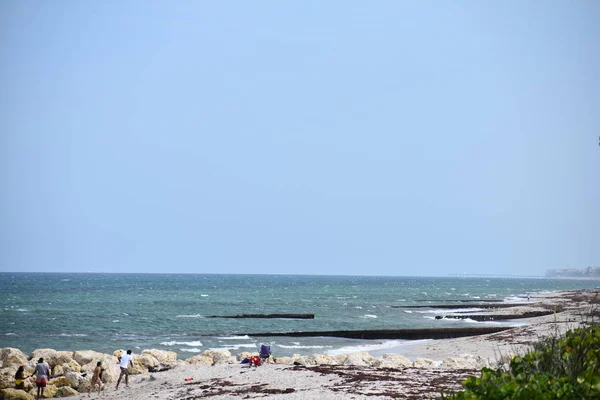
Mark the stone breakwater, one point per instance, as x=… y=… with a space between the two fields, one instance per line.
x=71 y=372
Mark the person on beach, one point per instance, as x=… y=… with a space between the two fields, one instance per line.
x=124 y=362
x=20 y=378
x=42 y=373
x=96 y=379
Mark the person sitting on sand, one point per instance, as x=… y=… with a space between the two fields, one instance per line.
x=20 y=378
x=124 y=362
x=42 y=373
x=96 y=379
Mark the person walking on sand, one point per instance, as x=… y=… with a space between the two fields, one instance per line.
x=124 y=362
x=42 y=373
x=96 y=379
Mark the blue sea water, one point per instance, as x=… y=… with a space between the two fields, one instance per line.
x=105 y=312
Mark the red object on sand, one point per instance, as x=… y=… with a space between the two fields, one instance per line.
x=187 y=379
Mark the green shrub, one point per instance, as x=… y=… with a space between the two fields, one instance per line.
x=566 y=368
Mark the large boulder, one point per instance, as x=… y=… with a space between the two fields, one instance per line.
x=66 y=391
x=146 y=361
x=75 y=379
x=15 y=394
x=395 y=361
x=319 y=359
x=283 y=360
x=361 y=358
x=339 y=359
x=11 y=357
x=423 y=363
x=51 y=356
x=163 y=356
x=465 y=361
x=219 y=356
x=7 y=377
x=62 y=369
x=87 y=356
x=60 y=381
x=200 y=359
x=49 y=391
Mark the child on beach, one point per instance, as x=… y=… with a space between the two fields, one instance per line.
x=96 y=379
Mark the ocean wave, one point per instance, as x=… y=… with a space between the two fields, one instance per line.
x=190 y=316
x=388 y=344
x=298 y=346
x=203 y=295
x=408 y=311
x=368 y=316
x=71 y=335
x=234 y=337
x=10 y=334
x=175 y=343
x=239 y=346
x=193 y=350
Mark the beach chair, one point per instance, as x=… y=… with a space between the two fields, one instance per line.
x=265 y=352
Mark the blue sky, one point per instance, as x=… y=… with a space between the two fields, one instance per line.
x=365 y=138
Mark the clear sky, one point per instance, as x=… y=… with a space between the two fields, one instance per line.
x=308 y=137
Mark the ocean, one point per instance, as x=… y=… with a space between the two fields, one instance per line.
x=106 y=312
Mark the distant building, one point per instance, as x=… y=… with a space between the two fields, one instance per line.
x=589 y=272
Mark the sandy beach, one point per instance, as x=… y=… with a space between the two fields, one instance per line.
x=422 y=371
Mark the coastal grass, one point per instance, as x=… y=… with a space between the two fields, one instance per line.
x=558 y=367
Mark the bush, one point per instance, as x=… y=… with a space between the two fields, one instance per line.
x=566 y=368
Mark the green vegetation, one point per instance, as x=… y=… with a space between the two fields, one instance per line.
x=566 y=368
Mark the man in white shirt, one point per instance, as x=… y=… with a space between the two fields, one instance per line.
x=124 y=362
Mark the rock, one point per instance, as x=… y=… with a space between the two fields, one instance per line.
x=245 y=354
x=66 y=391
x=465 y=361
x=340 y=359
x=360 y=358
x=60 y=381
x=15 y=394
x=395 y=361
x=11 y=357
x=163 y=356
x=62 y=369
x=146 y=361
x=219 y=356
x=200 y=359
x=161 y=368
x=87 y=356
x=49 y=391
x=320 y=359
x=51 y=356
x=423 y=363
x=75 y=379
x=283 y=360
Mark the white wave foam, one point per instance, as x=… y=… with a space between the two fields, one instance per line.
x=408 y=311
x=203 y=295
x=190 y=316
x=298 y=346
x=238 y=346
x=234 y=337
x=368 y=316
x=174 y=343
x=10 y=334
x=72 y=335
x=388 y=344
x=115 y=320
x=22 y=310
x=193 y=350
